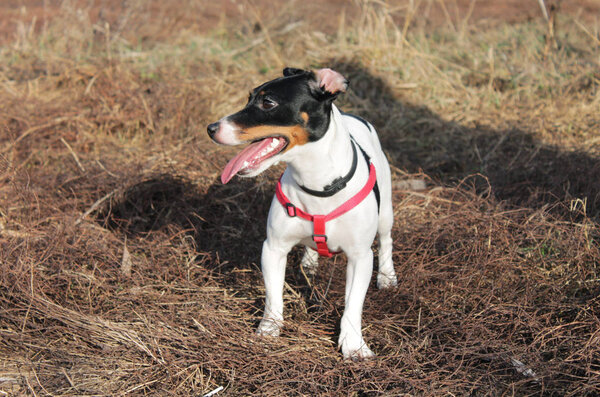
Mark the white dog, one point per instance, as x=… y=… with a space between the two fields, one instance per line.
x=335 y=194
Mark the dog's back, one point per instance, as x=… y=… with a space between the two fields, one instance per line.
x=366 y=136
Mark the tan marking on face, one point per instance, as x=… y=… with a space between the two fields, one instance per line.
x=295 y=134
x=304 y=116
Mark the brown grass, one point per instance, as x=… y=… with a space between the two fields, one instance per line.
x=127 y=268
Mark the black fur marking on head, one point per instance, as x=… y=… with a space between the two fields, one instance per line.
x=293 y=71
x=295 y=93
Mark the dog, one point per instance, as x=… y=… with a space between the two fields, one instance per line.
x=335 y=194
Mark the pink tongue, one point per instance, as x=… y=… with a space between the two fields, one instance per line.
x=237 y=163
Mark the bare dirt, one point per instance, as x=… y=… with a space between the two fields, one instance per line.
x=203 y=16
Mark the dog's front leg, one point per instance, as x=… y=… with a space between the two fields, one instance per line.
x=358 y=276
x=273 y=262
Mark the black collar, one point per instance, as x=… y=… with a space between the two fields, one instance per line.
x=338 y=183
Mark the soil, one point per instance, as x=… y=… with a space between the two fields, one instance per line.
x=18 y=16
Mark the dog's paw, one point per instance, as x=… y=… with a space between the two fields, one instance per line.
x=354 y=346
x=362 y=352
x=268 y=327
x=384 y=281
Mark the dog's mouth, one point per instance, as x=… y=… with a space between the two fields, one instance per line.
x=253 y=156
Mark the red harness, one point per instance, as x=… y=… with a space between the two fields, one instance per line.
x=319 y=236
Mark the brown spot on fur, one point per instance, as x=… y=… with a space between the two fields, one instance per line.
x=296 y=134
x=304 y=116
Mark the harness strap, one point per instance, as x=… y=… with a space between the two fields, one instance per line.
x=319 y=236
x=319 y=221
x=368 y=160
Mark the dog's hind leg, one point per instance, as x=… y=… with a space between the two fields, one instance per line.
x=310 y=261
x=386 y=275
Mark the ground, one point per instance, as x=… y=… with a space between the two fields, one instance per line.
x=128 y=268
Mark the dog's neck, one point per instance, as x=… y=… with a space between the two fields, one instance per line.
x=323 y=161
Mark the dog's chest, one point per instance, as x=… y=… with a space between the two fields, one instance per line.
x=359 y=224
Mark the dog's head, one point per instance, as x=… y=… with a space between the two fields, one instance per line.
x=281 y=114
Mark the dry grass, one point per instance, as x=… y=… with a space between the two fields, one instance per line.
x=127 y=268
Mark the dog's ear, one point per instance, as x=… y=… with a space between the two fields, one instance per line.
x=293 y=71
x=327 y=84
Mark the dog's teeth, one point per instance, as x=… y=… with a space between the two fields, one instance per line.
x=246 y=164
x=274 y=143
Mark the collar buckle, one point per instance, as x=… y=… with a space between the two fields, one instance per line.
x=338 y=183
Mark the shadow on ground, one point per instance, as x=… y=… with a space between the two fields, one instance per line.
x=521 y=170
x=226 y=220
x=229 y=220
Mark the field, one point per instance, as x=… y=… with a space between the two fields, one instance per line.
x=127 y=268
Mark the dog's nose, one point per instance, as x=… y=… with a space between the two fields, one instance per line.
x=212 y=129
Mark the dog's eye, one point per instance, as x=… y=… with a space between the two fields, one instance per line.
x=267 y=104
